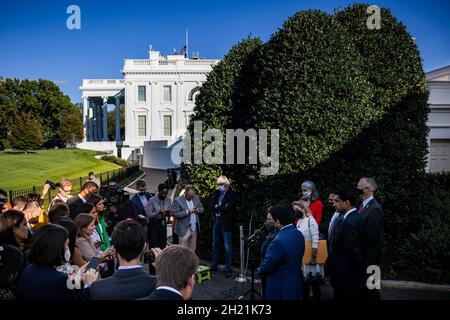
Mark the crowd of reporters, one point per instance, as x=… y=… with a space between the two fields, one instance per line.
x=92 y=246
x=83 y=248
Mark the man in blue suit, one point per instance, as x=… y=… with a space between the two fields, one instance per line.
x=140 y=201
x=282 y=264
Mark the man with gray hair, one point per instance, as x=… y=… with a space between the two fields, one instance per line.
x=223 y=207
x=372 y=213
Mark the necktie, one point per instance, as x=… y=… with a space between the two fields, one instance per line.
x=360 y=207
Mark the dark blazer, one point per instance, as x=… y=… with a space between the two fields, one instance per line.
x=43 y=283
x=163 y=294
x=372 y=215
x=346 y=260
x=123 y=285
x=137 y=206
x=282 y=265
x=77 y=206
x=227 y=209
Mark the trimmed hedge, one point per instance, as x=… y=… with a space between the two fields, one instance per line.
x=349 y=102
x=118 y=161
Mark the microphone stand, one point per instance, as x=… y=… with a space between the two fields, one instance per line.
x=252 y=242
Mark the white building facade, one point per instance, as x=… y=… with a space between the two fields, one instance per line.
x=159 y=96
x=439 y=120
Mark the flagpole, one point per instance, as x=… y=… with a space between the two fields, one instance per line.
x=187 y=44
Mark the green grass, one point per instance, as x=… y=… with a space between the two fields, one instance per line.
x=26 y=170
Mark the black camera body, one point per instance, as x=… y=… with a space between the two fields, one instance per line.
x=112 y=193
x=149 y=257
x=52 y=185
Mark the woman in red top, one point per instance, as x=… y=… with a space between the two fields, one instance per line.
x=309 y=191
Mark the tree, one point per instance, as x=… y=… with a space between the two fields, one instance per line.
x=25 y=133
x=112 y=123
x=42 y=98
x=71 y=128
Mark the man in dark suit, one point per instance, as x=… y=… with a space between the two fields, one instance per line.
x=223 y=207
x=372 y=213
x=79 y=203
x=345 y=257
x=282 y=264
x=176 y=266
x=140 y=201
x=130 y=281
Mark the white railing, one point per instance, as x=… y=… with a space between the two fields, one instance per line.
x=140 y=62
x=103 y=81
x=164 y=62
x=199 y=62
x=167 y=63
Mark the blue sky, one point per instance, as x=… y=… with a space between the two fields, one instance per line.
x=37 y=44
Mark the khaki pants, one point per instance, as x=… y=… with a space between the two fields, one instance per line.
x=189 y=239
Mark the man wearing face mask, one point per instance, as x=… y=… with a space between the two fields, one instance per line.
x=271 y=234
x=139 y=202
x=281 y=266
x=223 y=208
x=157 y=212
x=186 y=209
x=372 y=213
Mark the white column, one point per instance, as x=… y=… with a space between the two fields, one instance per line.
x=118 y=136
x=94 y=121
x=105 y=119
x=85 y=118
x=130 y=102
x=91 y=120
x=99 y=122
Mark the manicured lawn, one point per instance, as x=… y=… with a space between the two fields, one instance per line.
x=26 y=170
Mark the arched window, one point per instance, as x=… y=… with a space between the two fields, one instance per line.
x=193 y=94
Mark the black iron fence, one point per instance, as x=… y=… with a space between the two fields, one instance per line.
x=117 y=175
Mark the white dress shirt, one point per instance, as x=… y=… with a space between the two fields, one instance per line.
x=333 y=218
x=348 y=212
x=193 y=217
x=366 y=202
x=144 y=201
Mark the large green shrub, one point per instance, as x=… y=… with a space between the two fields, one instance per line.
x=308 y=81
x=349 y=102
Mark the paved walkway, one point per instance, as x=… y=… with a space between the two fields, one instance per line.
x=153 y=177
x=228 y=289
